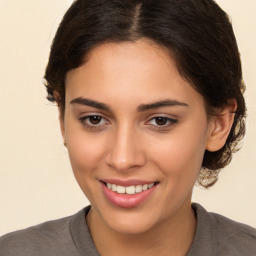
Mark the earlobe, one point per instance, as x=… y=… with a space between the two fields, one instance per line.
x=220 y=126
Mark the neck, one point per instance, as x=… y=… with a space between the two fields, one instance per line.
x=173 y=236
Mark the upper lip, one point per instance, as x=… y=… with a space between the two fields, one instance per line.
x=127 y=183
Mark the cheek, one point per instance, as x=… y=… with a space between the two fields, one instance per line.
x=85 y=151
x=180 y=155
x=86 y=156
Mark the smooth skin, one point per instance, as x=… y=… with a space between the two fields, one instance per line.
x=116 y=137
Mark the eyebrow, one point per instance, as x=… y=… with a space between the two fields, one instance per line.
x=159 y=104
x=140 y=108
x=91 y=103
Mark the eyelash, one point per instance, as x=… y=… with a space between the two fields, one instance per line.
x=165 y=127
x=92 y=126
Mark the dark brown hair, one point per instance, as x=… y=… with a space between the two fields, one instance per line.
x=197 y=33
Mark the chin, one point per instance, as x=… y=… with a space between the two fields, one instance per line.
x=131 y=227
x=130 y=222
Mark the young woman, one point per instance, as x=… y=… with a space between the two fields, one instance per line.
x=150 y=96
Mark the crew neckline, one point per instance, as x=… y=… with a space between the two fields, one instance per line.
x=202 y=243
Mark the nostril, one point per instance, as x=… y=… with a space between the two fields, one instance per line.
x=124 y=154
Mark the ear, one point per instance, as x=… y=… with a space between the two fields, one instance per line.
x=61 y=117
x=220 y=126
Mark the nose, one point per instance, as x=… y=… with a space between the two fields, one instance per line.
x=126 y=151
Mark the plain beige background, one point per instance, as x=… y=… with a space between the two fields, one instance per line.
x=36 y=181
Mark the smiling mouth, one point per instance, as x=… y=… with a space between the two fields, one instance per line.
x=129 y=190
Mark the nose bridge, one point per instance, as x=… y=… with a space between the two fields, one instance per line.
x=125 y=151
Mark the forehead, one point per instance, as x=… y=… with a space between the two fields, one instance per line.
x=139 y=70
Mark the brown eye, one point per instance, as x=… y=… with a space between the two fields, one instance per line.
x=94 y=122
x=95 y=119
x=161 y=120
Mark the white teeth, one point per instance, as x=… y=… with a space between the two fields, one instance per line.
x=138 y=188
x=131 y=190
x=145 y=187
x=151 y=185
x=120 y=190
x=114 y=187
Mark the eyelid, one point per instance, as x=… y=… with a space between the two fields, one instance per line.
x=170 y=122
x=169 y=117
x=91 y=113
x=83 y=118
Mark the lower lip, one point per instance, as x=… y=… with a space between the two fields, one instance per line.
x=127 y=201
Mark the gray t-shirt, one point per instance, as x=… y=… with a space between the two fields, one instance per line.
x=70 y=236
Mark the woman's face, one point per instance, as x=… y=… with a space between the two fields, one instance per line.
x=131 y=121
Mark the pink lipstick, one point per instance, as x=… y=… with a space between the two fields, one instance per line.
x=128 y=194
